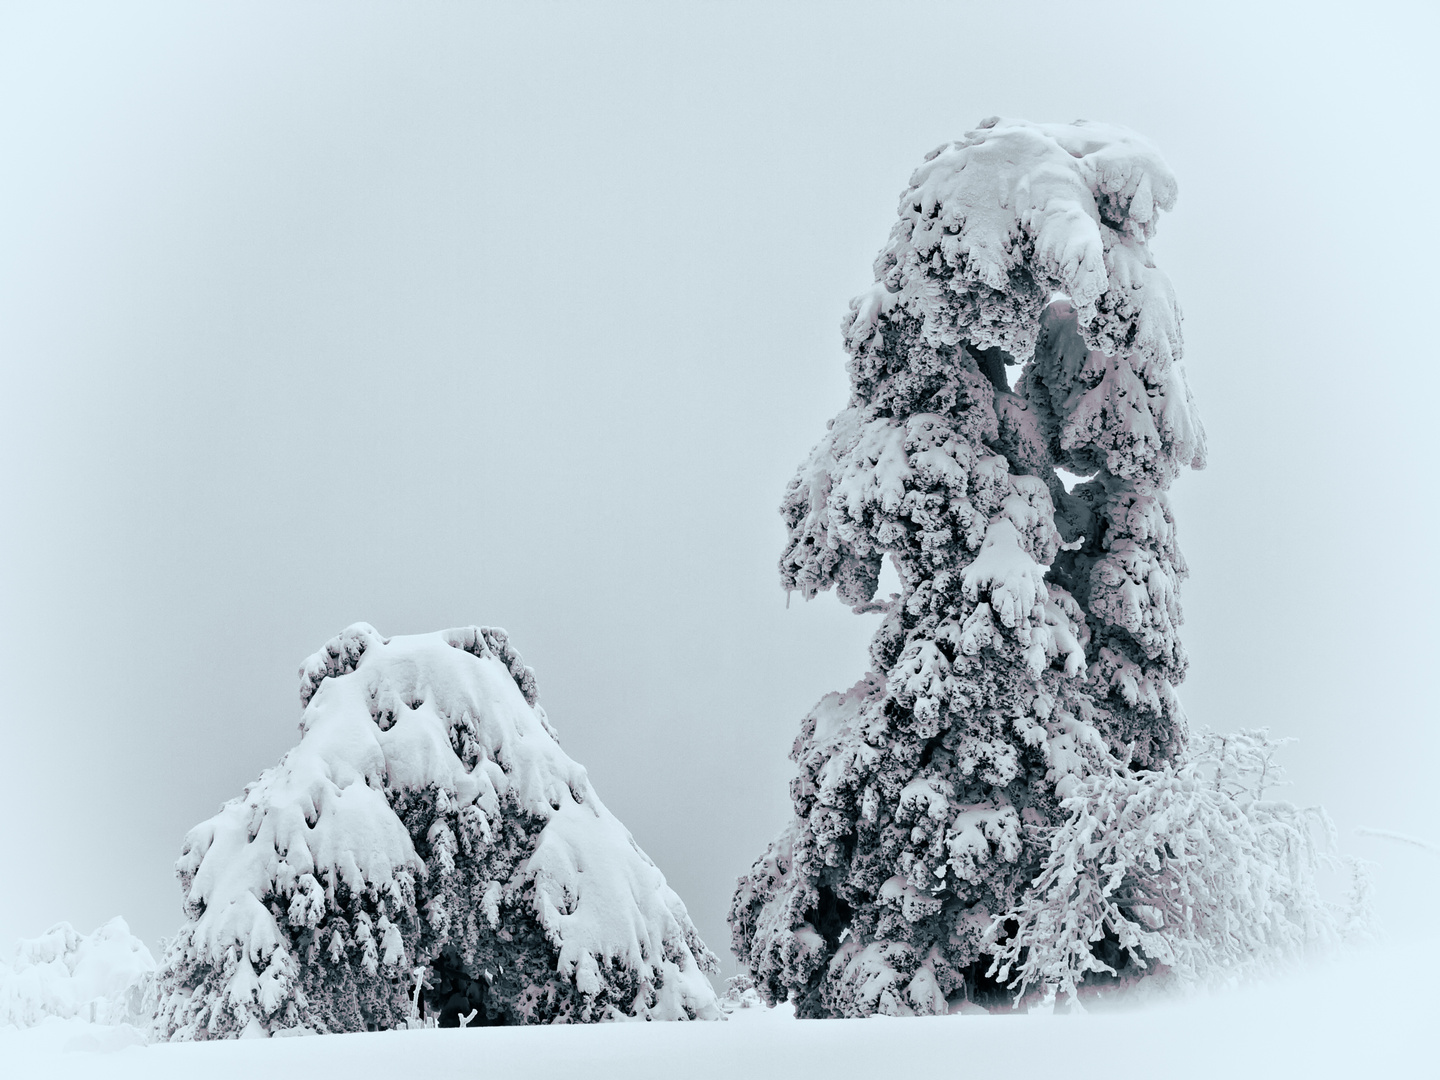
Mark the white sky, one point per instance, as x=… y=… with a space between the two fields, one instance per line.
x=431 y=315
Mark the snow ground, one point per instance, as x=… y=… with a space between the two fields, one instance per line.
x=1370 y=1015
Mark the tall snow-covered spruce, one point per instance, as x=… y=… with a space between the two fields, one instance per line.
x=1033 y=644
x=427 y=819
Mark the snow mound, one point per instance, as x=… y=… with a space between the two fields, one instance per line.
x=427 y=816
x=62 y=973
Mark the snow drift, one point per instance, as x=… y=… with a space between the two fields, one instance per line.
x=428 y=818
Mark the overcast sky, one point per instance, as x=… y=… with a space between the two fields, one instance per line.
x=431 y=315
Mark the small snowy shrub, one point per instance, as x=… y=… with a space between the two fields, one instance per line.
x=102 y=977
x=1024 y=677
x=1188 y=870
x=740 y=994
x=428 y=818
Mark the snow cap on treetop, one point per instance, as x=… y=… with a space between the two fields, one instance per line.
x=1015 y=212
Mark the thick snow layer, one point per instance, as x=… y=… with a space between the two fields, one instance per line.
x=1072 y=204
x=997 y=225
x=63 y=973
x=1368 y=1016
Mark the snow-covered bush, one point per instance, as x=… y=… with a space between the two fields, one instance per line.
x=102 y=977
x=1027 y=668
x=428 y=818
x=1187 y=871
x=740 y=994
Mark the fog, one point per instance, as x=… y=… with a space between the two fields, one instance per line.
x=431 y=315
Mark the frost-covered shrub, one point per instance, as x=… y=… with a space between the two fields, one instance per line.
x=1033 y=642
x=427 y=818
x=103 y=977
x=1187 y=871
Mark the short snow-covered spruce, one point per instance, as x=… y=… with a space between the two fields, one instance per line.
x=427 y=819
x=1010 y=797
x=105 y=977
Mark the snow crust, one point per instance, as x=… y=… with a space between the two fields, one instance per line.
x=100 y=977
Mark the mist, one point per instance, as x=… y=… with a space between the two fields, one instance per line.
x=524 y=315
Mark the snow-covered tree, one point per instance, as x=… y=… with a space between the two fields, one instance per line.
x=1032 y=646
x=104 y=977
x=427 y=819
